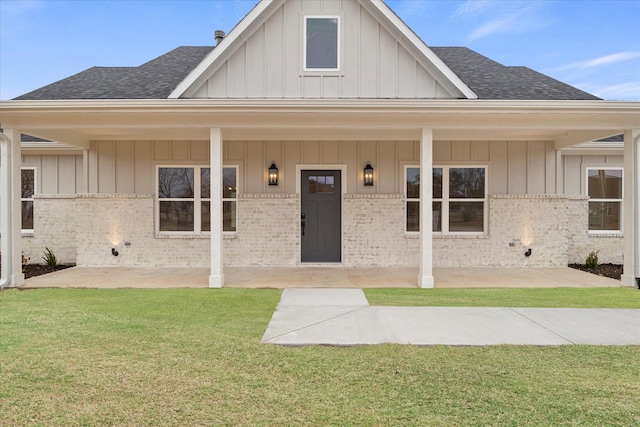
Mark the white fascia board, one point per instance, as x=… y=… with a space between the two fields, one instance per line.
x=411 y=36
x=204 y=70
x=9 y=108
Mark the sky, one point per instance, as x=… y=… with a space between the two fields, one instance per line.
x=593 y=45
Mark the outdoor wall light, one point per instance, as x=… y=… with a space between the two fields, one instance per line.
x=528 y=253
x=114 y=252
x=368 y=175
x=273 y=174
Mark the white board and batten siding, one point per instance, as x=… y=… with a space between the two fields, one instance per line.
x=374 y=63
x=129 y=167
x=575 y=167
x=56 y=174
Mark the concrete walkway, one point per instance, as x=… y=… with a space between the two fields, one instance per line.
x=344 y=317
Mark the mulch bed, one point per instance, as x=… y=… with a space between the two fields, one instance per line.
x=32 y=270
x=614 y=271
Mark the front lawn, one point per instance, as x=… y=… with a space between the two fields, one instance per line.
x=193 y=357
x=527 y=297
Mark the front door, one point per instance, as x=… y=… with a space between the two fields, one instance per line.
x=321 y=215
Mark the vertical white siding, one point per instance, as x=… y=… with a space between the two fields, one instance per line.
x=374 y=62
x=575 y=170
x=128 y=167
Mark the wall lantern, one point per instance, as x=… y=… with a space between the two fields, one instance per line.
x=528 y=253
x=368 y=175
x=114 y=252
x=273 y=174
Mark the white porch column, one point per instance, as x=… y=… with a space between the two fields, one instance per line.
x=11 y=214
x=425 y=279
x=216 y=279
x=631 y=214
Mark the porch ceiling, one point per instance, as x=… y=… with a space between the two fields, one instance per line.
x=78 y=122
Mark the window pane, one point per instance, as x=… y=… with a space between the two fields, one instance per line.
x=205 y=216
x=437 y=183
x=28 y=183
x=27 y=215
x=205 y=183
x=413 y=183
x=466 y=216
x=175 y=183
x=466 y=183
x=605 y=183
x=413 y=216
x=437 y=216
x=229 y=183
x=228 y=216
x=176 y=216
x=604 y=216
x=322 y=43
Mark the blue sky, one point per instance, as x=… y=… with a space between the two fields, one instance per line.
x=591 y=44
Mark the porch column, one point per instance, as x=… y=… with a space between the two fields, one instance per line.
x=216 y=278
x=631 y=214
x=425 y=279
x=11 y=210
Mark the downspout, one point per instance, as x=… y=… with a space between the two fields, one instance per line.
x=5 y=211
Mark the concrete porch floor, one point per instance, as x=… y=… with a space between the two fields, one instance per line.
x=317 y=277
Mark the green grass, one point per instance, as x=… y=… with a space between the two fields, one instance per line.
x=543 y=298
x=193 y=357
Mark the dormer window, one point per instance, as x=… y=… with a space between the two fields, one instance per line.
x=322 y=41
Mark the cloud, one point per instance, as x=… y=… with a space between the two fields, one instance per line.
x=603 y=60
x=473 y=7
x=15 y=15
x=629 y=91
x=14 y=9
x=502 y=17
x=411 y=9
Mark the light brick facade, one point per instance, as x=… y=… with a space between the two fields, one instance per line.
x=84 y=228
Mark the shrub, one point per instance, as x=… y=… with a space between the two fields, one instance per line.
x=50 y=259
x=592 y=259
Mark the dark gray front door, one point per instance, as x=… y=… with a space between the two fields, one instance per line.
x=321 y=216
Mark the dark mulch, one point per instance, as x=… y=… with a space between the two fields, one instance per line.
x=32 y=270
x=613 y=271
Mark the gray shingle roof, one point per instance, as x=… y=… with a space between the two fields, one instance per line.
x=492 y=80
x=155 y=79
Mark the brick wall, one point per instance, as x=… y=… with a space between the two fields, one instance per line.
x=268 y=231
x=84 y=228
x=54 y=218
x=374 y=233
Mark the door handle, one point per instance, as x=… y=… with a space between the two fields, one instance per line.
x=303 y=222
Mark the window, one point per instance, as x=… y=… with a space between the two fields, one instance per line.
x=184 y=199
x=604 y=187
x=459 y=199
x=321 y=48
x=229 y=198
x=28 y=180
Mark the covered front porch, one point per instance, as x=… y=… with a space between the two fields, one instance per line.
x=96 y=128
x=317 y=277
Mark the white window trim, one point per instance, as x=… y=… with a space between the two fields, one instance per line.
x=197 y=200
x=230 y=199
x=621 y=200
x=304 y=44
x=446 y=200
x=35 y=191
